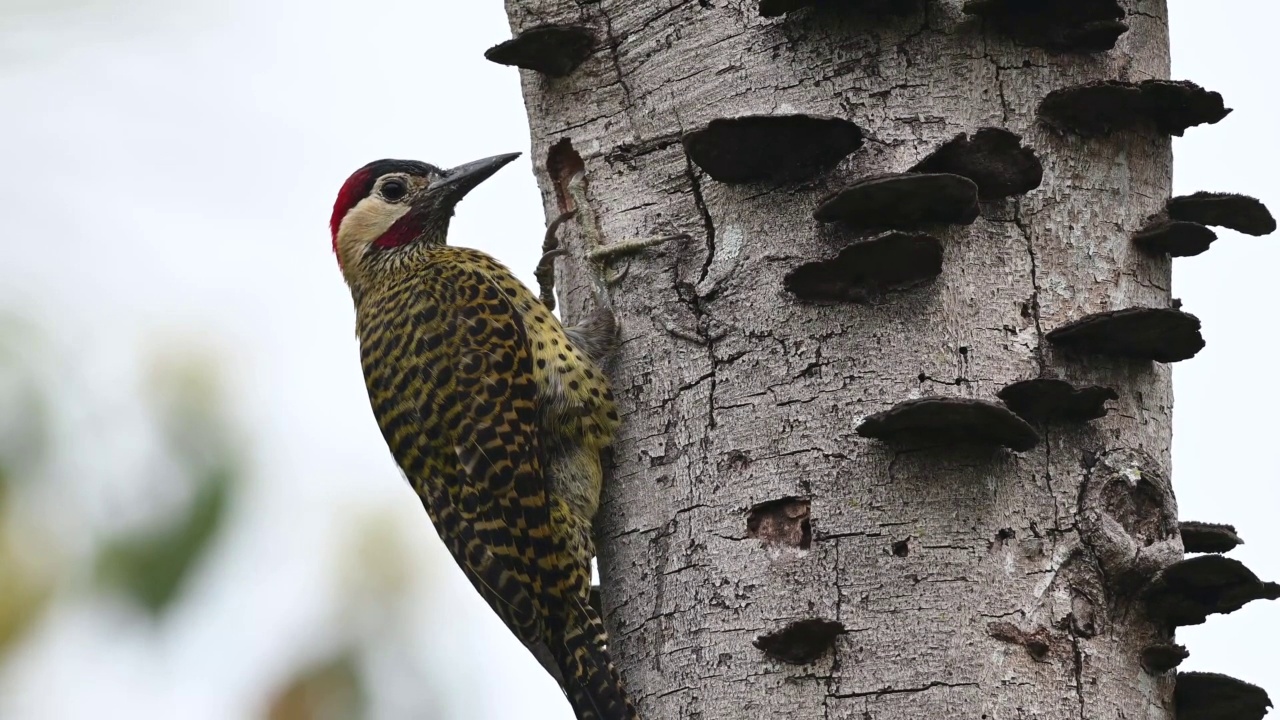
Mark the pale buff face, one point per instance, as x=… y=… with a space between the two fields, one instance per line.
x=388 y=201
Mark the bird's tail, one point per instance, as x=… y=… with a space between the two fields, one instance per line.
x=597 y=334
x=591 y=682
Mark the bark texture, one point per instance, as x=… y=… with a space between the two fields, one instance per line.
x=758 y=557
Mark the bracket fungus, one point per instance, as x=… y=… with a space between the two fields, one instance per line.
x=780 y=148
x=774 y=8
x=1043 y=400
x=951 y=420
x=1159 y=334
x=1086 y=26
x=1200 y=537
x=902 y=201
x=1163 y=657
x=801 y=642
x=1211 y=696
x=1189 y=591
x=1176 y=238
x=1229 y=210
x=1107 y=106
x=553 y=50
x=993 y=158
x=868 y=269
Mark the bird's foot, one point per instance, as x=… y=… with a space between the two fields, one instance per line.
x=545 y=272
x=602 y=255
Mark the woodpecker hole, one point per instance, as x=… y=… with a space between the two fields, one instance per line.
x=801 y=642
x=901 y=549
x=563 y=162
x=781 y=522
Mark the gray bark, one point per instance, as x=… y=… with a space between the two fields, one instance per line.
x=968 y=583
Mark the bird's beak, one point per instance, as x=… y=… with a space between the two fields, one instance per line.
x=459 y=181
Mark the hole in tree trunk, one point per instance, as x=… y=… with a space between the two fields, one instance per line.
x=801 y=642
x=563 y=162
x=781 y=522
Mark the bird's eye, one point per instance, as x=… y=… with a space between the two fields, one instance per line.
x=394 y=189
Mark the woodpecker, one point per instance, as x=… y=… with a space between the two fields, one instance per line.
x=495 y=412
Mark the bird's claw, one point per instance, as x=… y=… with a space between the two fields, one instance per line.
x=545 y=272
x=606 y=253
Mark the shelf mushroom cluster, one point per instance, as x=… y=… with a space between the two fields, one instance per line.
x=895 y=211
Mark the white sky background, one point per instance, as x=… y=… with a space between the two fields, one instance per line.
x=167 y=169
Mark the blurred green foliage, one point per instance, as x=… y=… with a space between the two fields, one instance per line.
x=152 y=566
x=25 y=586
x=26 y=592
x=201 y=457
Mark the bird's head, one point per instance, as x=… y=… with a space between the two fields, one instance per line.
x=389 y=205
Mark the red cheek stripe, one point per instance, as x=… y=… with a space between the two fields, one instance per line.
x=403 y=231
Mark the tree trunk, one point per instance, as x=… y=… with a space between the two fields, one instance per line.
x=761 y=559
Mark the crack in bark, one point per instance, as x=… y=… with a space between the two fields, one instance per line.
x=1048 y=479
x=900 y=691
x=708 y=224
x=1035 y=286
x=693 y=298
x=1078 y=667
x=617 y=64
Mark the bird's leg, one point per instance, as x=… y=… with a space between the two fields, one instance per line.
x=597 y=333
x=600 y=255
x=545 y=272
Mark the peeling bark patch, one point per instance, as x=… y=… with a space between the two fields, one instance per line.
x=1237 y=212
x=563 y=162
x=774 y=8
x=867 y=270
x=553 y=50
x=1210 y=696
x=1107 y=106
x=801 y=642
x=1038 y=642
x=782 y=522
x=1200 y=537
x=950 y=421
x=902 y=201
x=1044 y=400
x=1163 y=657
x=1187 y=592
x=1174 y=238
x=780 y=148
x=1087 y=26
x=1159 y=334
x=993 y=158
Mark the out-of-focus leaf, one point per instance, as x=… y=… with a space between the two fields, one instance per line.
x=328 y=691
x=24 y=409
x=151 y=567
x=24 y=592
x=377 y=561
x=187 y=396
